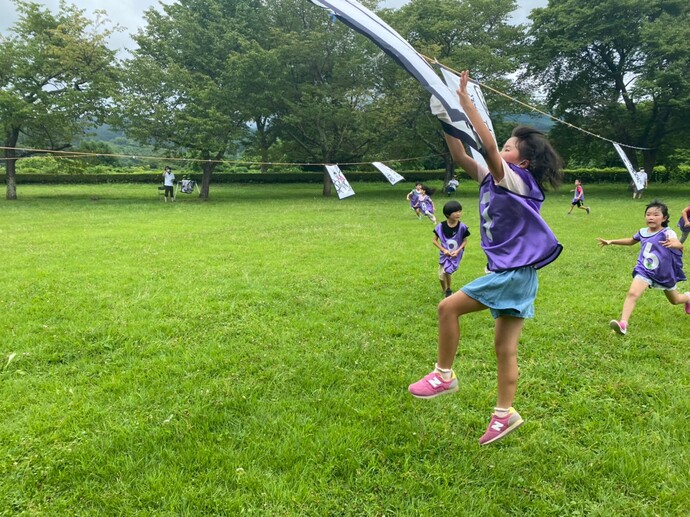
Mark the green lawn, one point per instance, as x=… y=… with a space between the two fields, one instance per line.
x=252 y=354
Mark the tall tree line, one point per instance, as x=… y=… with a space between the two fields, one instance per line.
x=282 y=81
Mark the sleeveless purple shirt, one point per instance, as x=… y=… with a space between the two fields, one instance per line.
x=661 y=265
x=451 y=264
x=425 y=205
x=513 y=233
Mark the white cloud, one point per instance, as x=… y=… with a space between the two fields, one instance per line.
x=129 y=14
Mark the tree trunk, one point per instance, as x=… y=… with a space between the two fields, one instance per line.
x=206 y=180
x=450 y=171
x=11 y=165
x=649 y=161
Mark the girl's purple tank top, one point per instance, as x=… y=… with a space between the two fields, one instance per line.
x=414 y=198
x=513 y=233
x=425 y=205
x=662 y=265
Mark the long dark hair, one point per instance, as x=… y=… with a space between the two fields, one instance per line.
x=545 y=164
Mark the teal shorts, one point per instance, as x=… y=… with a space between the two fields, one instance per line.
x=508 y=293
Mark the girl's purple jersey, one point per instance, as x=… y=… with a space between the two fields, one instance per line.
x=425 y=205
x=514 y=235
x=451 y=264
x=657 y=263
x=414 y=198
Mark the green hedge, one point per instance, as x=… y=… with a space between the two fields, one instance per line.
x=611 y=175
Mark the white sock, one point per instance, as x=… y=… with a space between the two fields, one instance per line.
x=446 y=374
x=501 y=412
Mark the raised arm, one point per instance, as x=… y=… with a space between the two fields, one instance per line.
x=493 y=157
x=460 y=156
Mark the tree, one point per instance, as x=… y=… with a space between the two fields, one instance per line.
x=620 y=67
x=178 y=92
x=326 y=86
x=56 y=75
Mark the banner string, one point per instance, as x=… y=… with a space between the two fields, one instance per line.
x=532 y=108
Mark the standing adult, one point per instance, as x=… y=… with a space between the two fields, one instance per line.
x=640 y=184
x=168 y=184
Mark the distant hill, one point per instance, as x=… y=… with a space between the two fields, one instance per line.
x=105 y=133
x=536 y=120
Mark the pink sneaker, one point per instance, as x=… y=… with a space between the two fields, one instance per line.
x=501 y=426
x=433 y=385
x=687 y=305
x=621 y=327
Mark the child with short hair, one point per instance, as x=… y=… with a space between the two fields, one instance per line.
x=516 y=241
x=684 y=224
x=578 y=198
x=450 y=237
x=659 y=265
x=413 y=198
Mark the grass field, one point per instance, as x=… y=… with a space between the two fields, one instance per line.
x=251 y=355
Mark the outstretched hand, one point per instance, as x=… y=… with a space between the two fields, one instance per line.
x=603 y=242
x=464 y=79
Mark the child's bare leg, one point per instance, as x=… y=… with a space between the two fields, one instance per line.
x=636 y=289
x=445 y=284
x=677 y=298
x=507 y=331
x=449 y=310
x=445 y=281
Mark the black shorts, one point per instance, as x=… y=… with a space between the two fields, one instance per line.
x=578 y=202
x=168 y=191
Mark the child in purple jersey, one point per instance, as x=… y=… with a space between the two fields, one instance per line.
x=659 y=265
x=413 y=198
x=450 y=237
x=516 y=241
x=578 y=198
x=426 y=204
x=684 y=224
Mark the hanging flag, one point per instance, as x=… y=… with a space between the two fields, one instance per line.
x=392 y=176
x=639 y=182
x=356 y=16
x=475 y=93
x=342 y=187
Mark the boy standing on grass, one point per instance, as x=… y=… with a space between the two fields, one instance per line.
x=169 y=183
x=450 y=237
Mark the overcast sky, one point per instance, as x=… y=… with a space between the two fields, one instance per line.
x=129 y=14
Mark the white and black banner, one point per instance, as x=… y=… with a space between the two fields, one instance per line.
x=392 y=176
x=342 y=187
x=639 y=182
x=355 y=15
x=475 y=93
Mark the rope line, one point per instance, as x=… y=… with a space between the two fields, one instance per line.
x=532 y=108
